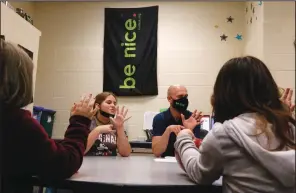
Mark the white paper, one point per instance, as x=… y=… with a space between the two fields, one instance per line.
x=170 y=157
x=167 y=160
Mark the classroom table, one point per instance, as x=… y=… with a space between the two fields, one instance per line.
x=133 y=174
x=141 y=144
x=134 y=144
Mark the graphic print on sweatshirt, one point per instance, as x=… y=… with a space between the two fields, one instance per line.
x=105 y=145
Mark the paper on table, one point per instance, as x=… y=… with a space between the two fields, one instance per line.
x=170 y=159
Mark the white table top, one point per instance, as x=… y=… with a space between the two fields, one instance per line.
x=133 y=170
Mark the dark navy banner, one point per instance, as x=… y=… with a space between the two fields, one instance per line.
x=130 y=51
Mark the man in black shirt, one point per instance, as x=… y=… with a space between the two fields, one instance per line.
x=167 y=124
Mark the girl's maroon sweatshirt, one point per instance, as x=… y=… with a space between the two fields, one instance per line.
x=28 y=151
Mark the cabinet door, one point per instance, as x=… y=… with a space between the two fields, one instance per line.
x=17 y=30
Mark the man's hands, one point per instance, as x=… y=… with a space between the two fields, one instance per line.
x=175 y=128
x=190 y=124
x=192 y=121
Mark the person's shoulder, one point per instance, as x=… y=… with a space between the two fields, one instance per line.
x=187 y=114
x=240 y=125
x=159 y=123
x=217 y=128
x=16 y=113
x=160 y=119
x=159 y=116
x=29 y=122
x=22 y=117
x=21 y=121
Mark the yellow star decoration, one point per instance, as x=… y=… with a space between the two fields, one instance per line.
x=216 y=26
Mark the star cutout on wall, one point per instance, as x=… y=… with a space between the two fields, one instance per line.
x=238 y=37
x=251 y=20
x=216 y=26
x=260 y=3
x=256 y=17
x=253 y=10
x=223 y=37
x=251 y=5
x=229 y=19
x=246 y=10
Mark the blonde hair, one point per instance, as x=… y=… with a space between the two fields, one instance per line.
x=102 y=96
x=16 y=76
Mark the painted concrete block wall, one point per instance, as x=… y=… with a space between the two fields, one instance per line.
x=190 y=51
x=270 y=37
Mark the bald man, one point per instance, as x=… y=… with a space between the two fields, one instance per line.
x=167 y=124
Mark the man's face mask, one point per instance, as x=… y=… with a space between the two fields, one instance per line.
x=181 y=104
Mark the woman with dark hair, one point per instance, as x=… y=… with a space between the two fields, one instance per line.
x=27 y=149
x=107 y=128
x=252 y=144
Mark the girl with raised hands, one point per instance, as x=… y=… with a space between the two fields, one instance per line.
x=107 y=134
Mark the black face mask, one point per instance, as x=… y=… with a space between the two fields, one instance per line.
x=106 y=114
x=181 y=104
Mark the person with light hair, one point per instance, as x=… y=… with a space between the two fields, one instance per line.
x=26 y=148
